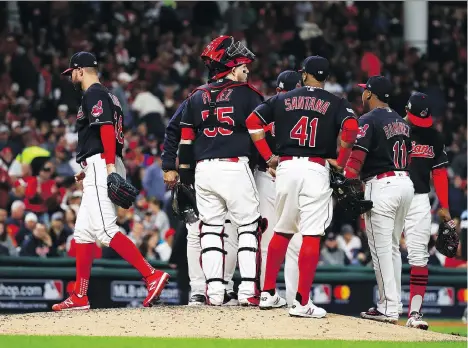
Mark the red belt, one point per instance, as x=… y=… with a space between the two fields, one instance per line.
x=232 y=159
x=317 y=160
x=391 y=173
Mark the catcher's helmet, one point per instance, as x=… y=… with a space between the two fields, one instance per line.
x=224 y=53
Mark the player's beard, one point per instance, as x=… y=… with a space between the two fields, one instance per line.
x=77 y=86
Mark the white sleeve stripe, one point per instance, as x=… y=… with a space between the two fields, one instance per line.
x=101 y=123
x=186 y=124
x=258 y=114
x=253 y=131
x=361 y=147
x=440 y=164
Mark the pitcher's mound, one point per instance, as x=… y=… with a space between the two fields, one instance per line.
x=208 y=322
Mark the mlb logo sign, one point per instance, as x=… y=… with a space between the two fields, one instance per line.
x=436 y=296
x=321 y=293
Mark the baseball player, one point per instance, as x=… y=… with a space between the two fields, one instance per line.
x=286 y=81
x=99 y=152
x=197 y=278
x=214 y=135
x=307 y=123
x=381 y=157
x=428 y=156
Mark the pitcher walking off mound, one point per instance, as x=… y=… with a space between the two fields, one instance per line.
x=428 y=157
x=215 y=137
x=100 y=143
x=382 y=151
x=307 y=123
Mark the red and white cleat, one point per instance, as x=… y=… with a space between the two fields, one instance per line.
x=250 y=302
x=73 y=303
x=155 y=284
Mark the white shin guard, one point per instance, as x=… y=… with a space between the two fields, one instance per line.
x=213 y=262
x=249 y=258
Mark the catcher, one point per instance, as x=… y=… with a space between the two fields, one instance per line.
x=428 y=157
x=99 y=152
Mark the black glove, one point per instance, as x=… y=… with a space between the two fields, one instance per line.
x=184 y=203
x=447 y=240
x=349 y=194
x=120 y=191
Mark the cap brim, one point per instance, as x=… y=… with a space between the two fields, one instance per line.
x=425 y=122
x=362 y=85
x=68 y=71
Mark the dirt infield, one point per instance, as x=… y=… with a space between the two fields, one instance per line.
x=209 y=322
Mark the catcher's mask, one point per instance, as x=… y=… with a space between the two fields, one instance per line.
x=184 y=204
x=224 y=53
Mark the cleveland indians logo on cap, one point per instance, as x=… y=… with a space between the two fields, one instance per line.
x=97 y=110
x=424 y=112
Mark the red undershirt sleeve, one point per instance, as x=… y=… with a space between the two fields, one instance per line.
x=108 y=143
x=440 y=179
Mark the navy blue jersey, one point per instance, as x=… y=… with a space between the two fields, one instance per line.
x=307 y=121
x=172 y=139
x=98 y=107
x=428 y=154
x=217 y=112
x=385 y=136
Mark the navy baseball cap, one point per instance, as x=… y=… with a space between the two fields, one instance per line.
x=288 y=80
x=380 y=86
x=418 y=110
x=81 y=60
x=317 y=66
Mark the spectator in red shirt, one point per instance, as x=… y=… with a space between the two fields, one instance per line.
x=370 y=63
x=42 y=194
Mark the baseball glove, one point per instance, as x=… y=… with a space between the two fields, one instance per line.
x=349 y=194
x=447 y=241
x=184 y=203
x=120 y=191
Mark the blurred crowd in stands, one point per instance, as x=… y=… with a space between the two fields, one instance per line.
x=148 y=54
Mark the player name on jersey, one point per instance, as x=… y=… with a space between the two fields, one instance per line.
x=396 y=128
x=306 y=103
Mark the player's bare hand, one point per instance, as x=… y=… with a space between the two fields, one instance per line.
x=334 y=164
x=80 y=176
x=170 y=178
x=444 y=214
x=273 y=162
x=110 y=168
x=272 y=172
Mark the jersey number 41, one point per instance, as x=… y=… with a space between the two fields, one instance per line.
x=302 y=132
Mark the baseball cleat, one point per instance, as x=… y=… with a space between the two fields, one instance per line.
x=230 y=299
x=249 y=302
x=374 y=314
x=269 y=302
x=197 y=300
x=73 y=303
x=416 y=322
x=155 y=284
x=308 y=311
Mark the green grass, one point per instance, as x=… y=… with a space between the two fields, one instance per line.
x=137 y=342
x=453 y=330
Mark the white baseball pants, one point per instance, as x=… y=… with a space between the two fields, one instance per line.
x=224 y=187
x=392 y=198
x=418 y=230
x=267 y=192
x=97 y=214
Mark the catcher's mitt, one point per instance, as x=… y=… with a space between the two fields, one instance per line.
x=120 y=191
x=447 y=241
x=349 y=194
x=184 y=203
